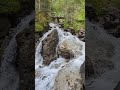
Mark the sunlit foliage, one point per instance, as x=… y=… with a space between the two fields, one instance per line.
x=73 y=12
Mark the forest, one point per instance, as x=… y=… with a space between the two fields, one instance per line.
x=70 y=13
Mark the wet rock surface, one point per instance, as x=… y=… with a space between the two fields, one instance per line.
x=81 y=35
x=67 y=54
x=69 y=78
x=49 y=47
x=68 y=48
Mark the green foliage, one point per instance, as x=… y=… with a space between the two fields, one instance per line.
x=38 y=27
x=42 y=19
x=42 y=14
x=9 y=6
x=72 y=11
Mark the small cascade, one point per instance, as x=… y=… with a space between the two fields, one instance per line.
x=8 y=75
x=45 y=75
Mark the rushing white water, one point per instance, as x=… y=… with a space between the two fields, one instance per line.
x=109 y=79
x=9 y=78
x=45 y=75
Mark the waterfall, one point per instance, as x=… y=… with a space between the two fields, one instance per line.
x=8 y=76
x=45 y=75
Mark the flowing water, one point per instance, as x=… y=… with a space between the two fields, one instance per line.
x=9 y=78
x=45 y=75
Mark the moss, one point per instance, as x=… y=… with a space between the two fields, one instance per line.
x=38 y=27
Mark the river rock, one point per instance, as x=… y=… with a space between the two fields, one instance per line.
x=69 y=48
x=25 y=58
x=67 y=54
x=72 y=31
x=49 y=47
x=69 y=78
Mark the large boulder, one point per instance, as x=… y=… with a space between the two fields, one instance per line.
x=70 y=48
x=69 y=78
x=67 y=54
x=49 y=45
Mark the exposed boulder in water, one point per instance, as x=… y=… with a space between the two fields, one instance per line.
x=49 y=47
x=69 y=78
x=81 y=35
x=67 y=54
x=69 y=47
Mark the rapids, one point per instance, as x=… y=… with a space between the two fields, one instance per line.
x=45 y=75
